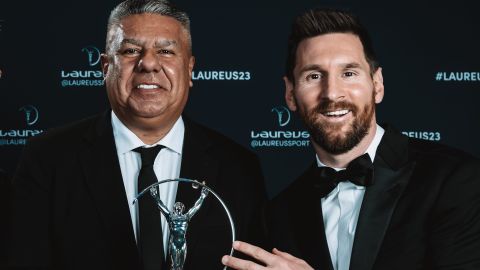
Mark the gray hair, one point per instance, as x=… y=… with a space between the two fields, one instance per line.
x=160 y=7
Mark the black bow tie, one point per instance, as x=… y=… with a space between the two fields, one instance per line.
x=359 y=172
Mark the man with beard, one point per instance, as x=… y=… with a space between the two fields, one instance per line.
x=75 y=186
x=416 y=207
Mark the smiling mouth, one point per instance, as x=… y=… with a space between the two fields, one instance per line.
x=338 y=113
x=147 y=86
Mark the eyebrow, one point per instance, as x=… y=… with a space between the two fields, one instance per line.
x=158 y=44
x=319 y=67
x=309 y=68
x=352 y=65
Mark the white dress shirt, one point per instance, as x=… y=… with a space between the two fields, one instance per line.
x=166 y=166
x=341 y=208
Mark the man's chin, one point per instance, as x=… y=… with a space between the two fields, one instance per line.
x=149 y=108
x=334 y=130
x=146 y=112
x=335 y=140
x=335 y=146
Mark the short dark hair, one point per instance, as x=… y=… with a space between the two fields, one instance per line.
x=160 y=7
x=323 y=21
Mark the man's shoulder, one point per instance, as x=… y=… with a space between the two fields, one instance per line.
x=217 y=142
x=398 y=146
x=434 y=163
x=66 y=136
x=438 y=152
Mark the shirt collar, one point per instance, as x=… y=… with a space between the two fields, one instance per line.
x=371 y=150
x=126 y=140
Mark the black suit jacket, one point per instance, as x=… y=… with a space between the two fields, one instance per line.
x=423 y=212
x=5 y=213
x=70 y=210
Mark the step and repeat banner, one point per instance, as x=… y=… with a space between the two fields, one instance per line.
x=50 y=73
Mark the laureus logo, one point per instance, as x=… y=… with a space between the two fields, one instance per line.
x=283 y=137
x=283 y=115
x=16 y=137
x=31 y=114
x=93 y=55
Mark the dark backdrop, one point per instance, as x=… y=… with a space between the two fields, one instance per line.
x=429 y=54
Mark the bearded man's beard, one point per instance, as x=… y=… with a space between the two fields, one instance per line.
x=329 y=136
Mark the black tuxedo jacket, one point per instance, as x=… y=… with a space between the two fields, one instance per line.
x=423 y=212
x=5 y=213
x=70 y=210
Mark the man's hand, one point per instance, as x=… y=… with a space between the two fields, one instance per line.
x=277 y=260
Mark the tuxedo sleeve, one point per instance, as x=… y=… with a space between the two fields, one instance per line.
x=255 y=199
x=5 y=211
x=455 y=238
x=29 y=246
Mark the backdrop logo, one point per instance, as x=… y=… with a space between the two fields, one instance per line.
x=279 y=138
x=93 y=55
x=459 y=76
x=424 y=135
x=221 y=75
x=13 y=137
x=80 y=77
x=31 y=114
x=283 y=115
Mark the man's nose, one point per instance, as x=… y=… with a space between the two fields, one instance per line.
x=332 y=89
x=149 y=62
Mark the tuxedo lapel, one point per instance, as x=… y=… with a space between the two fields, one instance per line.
x=392 y=173
x=197 y=164
x=104 y=180
x=306 y=218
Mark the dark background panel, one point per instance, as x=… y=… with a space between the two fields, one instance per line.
x=47 y=43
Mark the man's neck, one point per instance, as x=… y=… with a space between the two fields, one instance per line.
x=148 y=130
x=151 y=136
x=342 y=160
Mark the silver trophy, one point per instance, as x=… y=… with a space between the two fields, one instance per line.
x=178 y=220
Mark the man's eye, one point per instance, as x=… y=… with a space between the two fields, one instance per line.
x=313 y=76
x=348 y=74
x=130 y=51
x=165 y=52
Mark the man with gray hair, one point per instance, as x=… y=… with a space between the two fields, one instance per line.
x=74 y=188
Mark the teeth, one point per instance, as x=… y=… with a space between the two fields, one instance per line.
x=147 y=86
x=337 y=113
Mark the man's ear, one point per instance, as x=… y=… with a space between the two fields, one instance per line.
x=378 y=85
x=289 y=95
x=191 y=63
x=105 y=62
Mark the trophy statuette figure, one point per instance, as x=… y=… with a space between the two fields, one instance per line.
x=178 y=221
